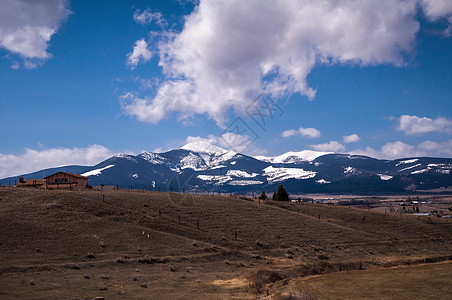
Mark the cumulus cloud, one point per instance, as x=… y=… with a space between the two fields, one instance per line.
x=413 y=125
x=439 y=9
x=33 y=160
x=240 y=143
x=140 y=53
x=399 y=149
x=352 y=138
x=26 y=26
x=211 y=139
x=147 y=17
x=309 y=132
x=332 y=146
x=228 y=52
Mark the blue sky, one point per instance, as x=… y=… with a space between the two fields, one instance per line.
x=83 y=80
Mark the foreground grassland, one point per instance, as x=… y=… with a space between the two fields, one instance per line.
x=431 y=281
x=148 y=245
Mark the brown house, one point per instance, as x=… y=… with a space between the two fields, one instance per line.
x=65 y=180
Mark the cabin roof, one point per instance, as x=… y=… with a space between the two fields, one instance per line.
x=69 y=174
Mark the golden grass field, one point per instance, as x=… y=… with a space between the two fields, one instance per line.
x=149 y=245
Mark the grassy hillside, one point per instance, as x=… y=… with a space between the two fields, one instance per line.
x=148 y=245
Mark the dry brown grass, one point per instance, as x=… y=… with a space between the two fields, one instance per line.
x=78 y=244
x=431 y=281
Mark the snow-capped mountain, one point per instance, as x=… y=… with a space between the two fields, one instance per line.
x=293 y=157
x=203 y=167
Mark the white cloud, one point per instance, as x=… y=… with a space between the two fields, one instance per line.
x=34 y=160
x=140 y=53
x=147 y=17
x=28 y=64
x=429 y=148
x=439 y=9
x=196 y=139
x=352 y=138
x=309 y=132
x=332 y=146
x=402 y=150
x=26 y=26
x=230 y=141
x=398 y=149
x=228 y=52
x=413 y=125
x=368 y=151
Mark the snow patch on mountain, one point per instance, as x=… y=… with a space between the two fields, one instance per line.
x=420 y=171
x=128 y=157
x=153 y=158
x=238 y=173
x=204 y=155
x=443 y=171
x=410 y=167
x=194 y=162
x=217 y=179
x=351 y=171
x=244 y=182
x=385 y=177
x=322 y=181
x=219 y=158
x=408 y=161
x=96 y=172
x=280 y=174
x=218 y=167
x=442 y=166
x=293 y=157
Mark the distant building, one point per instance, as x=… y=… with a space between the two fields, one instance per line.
x=38 y=183
x=65 y=180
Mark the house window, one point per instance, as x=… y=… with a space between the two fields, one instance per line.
x=57 y=180
x=64 y=180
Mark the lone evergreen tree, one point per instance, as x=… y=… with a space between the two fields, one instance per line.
x=281 y=194
x=263 y=196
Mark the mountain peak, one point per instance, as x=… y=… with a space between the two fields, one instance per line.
x=292 y=156
x=202 y=147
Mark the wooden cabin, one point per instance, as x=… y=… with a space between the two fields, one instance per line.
x=65 y=180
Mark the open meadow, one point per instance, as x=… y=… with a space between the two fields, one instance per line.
x=149 y=245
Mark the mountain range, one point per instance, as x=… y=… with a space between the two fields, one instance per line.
x=203 y=167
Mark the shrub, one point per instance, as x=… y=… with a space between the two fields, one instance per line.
x=263 y=277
